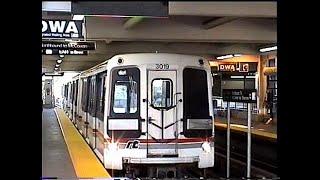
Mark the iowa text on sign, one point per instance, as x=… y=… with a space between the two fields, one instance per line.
x=227 y=67
x=62 y=28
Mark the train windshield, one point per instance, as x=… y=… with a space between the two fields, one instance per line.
x=125 y=93
x=195 y=93
x=125 y=97
x=196 y=103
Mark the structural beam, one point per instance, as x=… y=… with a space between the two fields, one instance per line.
x=217 y=22
x=222 y=9
x=243 y=30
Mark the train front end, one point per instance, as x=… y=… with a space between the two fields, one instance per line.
x=158 y=112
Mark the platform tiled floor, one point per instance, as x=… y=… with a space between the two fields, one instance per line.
x=56 y=161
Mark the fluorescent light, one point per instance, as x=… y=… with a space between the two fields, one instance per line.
x=236 y=77
x=268 y=49
x=58 y=6
x=252 y=77
x=77 y=17
x=61 y=55
x=225 y=56
x=237 y=55
x=57 y=65
x=48 y=51
x=241 y=77
x=59 y=61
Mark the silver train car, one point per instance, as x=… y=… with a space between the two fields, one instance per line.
x=151 y=110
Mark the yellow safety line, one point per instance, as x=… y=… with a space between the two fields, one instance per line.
x=85 y=163
x=244 y=129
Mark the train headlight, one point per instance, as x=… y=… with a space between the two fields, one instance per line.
x=206 y=147
x=113 y=146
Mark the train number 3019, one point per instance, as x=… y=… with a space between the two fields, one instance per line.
x=162 y=66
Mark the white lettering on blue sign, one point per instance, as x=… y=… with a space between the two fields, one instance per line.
x=60 y=27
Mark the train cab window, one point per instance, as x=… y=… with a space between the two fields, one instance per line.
x=161 y=93
x=125 y=97
x=120 y=98
x=196 y=103
x=195 y=86
x=125 y=93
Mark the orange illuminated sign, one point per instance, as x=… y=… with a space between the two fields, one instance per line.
x=227 y=67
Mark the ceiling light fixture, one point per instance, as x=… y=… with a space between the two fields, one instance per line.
x=225 y=56
x=59 y=61
x=78 y=17
x=268 y=49
x=48 y=51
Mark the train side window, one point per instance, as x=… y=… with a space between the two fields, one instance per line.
x=85 y=95
x=100 y=95
x=103 y=94
x=161 y=93
x=76 y=91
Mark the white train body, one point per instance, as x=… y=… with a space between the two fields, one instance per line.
x=146 y=108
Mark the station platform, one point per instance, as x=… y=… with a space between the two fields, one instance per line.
x=65 y=154
x=259 y=129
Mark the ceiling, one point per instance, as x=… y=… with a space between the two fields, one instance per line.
x=208 y=29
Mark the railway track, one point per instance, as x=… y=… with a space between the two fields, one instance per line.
x=263 y=155
x=259 y=169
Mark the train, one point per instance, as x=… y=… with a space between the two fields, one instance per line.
x=147 y=110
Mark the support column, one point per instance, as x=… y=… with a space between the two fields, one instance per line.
x=262 y=83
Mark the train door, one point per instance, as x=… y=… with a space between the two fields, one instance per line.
x=71 y=102
x=89 y=107
x=69 y=99
x=75 y=101
x=92 y=112
x=99 y=126
x=161 y=124
x=65 y=99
